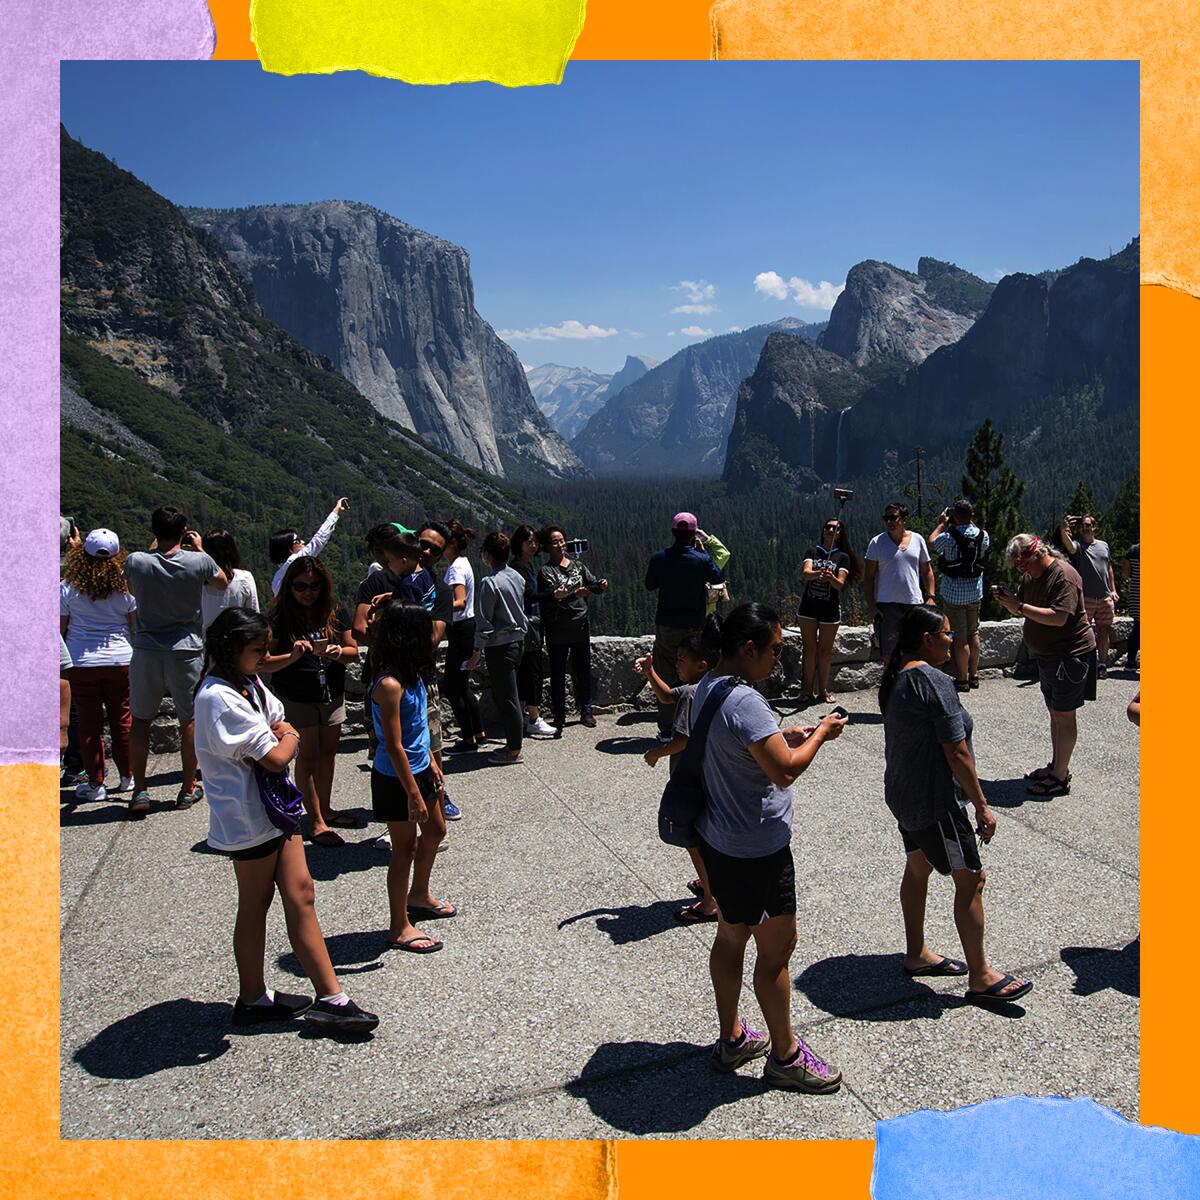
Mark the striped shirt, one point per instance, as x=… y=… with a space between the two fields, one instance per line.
x=964 y=589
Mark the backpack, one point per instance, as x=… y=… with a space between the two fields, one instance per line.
x=969 y=564
x=684 y=799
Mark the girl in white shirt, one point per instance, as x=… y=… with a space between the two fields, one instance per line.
x=460 y=579
x=238 y=723
x=242 y=591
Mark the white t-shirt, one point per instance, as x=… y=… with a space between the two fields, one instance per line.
x=899 y=578
x=230 y=734
x=241 y=593
x=461 y=571
x=97 y=630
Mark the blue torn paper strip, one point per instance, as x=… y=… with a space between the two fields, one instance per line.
x=1021 y=1147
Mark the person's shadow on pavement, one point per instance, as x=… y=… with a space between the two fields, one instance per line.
x=175 y=1033
x=1097 y=968
x=653 y=1087
x=350 y=953
x=631 y=922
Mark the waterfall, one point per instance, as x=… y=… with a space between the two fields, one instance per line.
x=838 y=458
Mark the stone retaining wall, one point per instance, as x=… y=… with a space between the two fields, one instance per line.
x=616 y=685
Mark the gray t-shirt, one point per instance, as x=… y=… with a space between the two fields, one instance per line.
x=682 y=695
x=1092 y=563
x=747 y=816
x=167 y=588
x=923 y=714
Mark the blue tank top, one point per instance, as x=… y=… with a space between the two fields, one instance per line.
x=414 y=730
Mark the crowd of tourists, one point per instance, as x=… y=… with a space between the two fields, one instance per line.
x=260 y=698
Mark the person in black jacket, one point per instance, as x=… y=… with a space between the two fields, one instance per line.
x=526 y=544
x=680 y=574
x=566 y=583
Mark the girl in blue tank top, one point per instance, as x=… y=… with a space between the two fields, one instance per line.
x=406 y=782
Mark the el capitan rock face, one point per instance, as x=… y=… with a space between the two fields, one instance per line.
x=675 y=419
x=886 y=313
x=393 y=309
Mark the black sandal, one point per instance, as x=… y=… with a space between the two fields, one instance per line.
x=1051 y=786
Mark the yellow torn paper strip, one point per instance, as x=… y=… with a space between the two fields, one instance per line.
x=511 y=42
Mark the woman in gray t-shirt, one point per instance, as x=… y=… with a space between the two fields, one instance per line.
x=745 y=831
x=929 y=775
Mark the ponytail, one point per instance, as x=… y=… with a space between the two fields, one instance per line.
x=747 y=623
x=920 y=620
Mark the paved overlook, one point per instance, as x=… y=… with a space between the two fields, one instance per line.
x=567 y=1001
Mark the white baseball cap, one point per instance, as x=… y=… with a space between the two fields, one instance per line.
x=102 y=543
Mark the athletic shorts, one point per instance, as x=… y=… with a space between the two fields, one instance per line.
x=154 y=674
x=949 y=845
x=750 y=890
x=304 y=715
x=1068 y=682
x=262 y=850
x=389 y=800
x=827 y=611
x=964 y=619
x=1100 y=611
x=433 y=714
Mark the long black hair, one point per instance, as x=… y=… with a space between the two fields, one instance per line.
x=404 y=643
x=747 y=623
x=222 y=548
x=225 y=639
x=914 y=625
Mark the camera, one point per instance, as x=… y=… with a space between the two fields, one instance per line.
x=577 y=546
x=841 y=495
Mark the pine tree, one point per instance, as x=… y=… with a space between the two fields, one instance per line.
x=1121 y=526
x=1083 y=502
x=996 y=494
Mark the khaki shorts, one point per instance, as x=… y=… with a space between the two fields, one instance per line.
x=154 y=674
x=964 y=620
x=433 y=712
x=1100 y=612
x=305 y=715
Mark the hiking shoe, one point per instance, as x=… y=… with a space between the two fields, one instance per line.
x=91 y=791
x=284 y=1008
x=341 y=1018
x=125 y=784
x=452 y=811
x=805 y=1073
x=139 y=804
x=187 y=799
x=727 y=1057
x=587 y=720
x=539 y=729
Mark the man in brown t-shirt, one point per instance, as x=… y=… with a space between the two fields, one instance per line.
x=1060 y=639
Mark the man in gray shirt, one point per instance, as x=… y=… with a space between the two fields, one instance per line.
x=168 y=644
x=1092 y=558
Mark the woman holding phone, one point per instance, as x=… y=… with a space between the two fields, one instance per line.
x=829 y=565
x=311 y=641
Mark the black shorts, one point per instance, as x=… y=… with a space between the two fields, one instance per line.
x=389 y=800
x=826 y=611
x=1068 y=682
x=949 y=845
x=749 y=890
x=262 y=850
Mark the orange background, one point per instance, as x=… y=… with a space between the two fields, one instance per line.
x=681 y=29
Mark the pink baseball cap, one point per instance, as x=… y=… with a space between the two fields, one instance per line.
x=685 y=520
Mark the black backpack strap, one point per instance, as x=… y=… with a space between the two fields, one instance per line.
x=693 y=755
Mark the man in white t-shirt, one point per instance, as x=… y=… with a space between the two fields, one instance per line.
x=898 y=576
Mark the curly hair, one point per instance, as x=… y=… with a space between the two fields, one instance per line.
x=404 y=643
x=289 y=618
x=95 y=578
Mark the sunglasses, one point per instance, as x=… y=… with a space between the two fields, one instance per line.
x=430 y=549
x=888 y=518
x=315 y=586
x=834 y=528
x=777 y=649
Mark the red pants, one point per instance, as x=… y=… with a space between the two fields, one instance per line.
x=93 y=690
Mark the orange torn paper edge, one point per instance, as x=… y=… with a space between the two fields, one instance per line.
x=515 y=43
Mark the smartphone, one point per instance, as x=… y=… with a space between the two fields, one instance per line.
x=319 y=644
x=839 y=711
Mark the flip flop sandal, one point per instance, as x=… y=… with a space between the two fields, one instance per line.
x=410 y=945
x=948 y=966
x=992 y=995
x=444 y=911
x=692 y=914
x=329 y=839
x=696 y=888
x=343 y=820
x=1051 y=787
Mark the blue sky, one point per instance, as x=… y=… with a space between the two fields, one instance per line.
x=641 y=205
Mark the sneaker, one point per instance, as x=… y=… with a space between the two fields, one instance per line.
x=805 y=1073
x=91 y=791
x=383 y=842
x=125 y=784
x=73 y=778
x=538 y=729
x=664 y=736
x=139 y=804
x=341 y=1018
x=187 y=799
x=727 y=1057
x=285 y=1008
x=1102 y=669
x=452 y=811
x=461 y=747
x=587 y=720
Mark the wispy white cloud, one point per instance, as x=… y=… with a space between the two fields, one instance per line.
x=563 y=331
x=999 y=273
x=694 y=331
x=697 y=291
x=698 y=310
x=806 y=294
